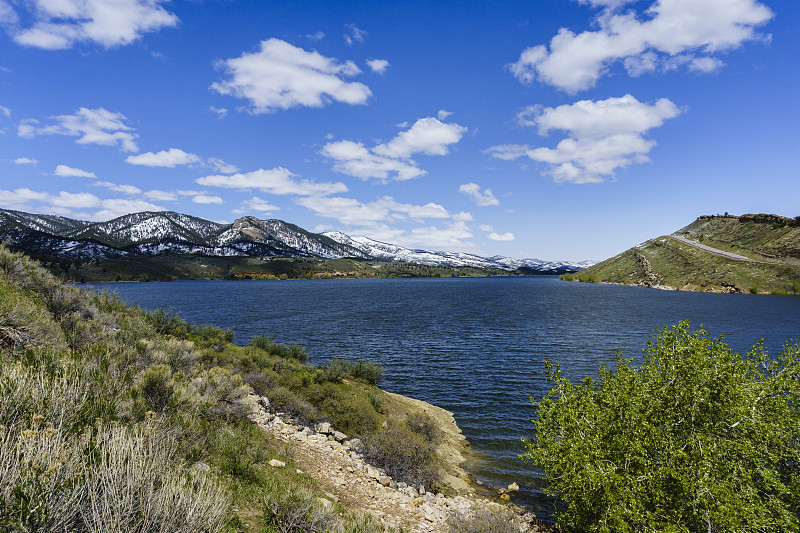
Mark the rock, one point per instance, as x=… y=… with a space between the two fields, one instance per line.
x=501 y=491
x=513 y=487
x=339 y=436
x=324 y=428
x=264 y=401
x=505 y=497
x=354 y=444
x=326 y=503
x=308 y=431
x=276 y=463
x=385 y=480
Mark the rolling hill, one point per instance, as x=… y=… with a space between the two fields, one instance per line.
x=754 y=253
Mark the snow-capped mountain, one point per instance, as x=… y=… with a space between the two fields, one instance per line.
x=393 y=252
x=153 y=233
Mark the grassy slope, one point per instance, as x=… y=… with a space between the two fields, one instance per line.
x=666 y=263
x=102 y=404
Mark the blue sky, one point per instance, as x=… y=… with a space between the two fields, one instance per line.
x=557 y=129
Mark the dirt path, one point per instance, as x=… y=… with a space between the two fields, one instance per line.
x=715 y=251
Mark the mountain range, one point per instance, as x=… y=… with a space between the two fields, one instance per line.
x=164 y=232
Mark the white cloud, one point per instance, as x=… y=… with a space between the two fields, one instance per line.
x=354 y=34
x=449 y=237
x=25 y=161
x=463 y=216
x=352 y=212
x=6 y=112
x=69 y=172
x=427 y=136
x=318 y=36
x=602 y=136
x=354 y=159
x=65 y=203
x=221 y=166
x=282 y=76
x=443 y=114
x=482 y=199
x=160 y=196
x=275 y=181
x=256 y=204
x=165 y=158
x=207 y=199
x=485 y=227
x=221 y=112
x=91 y=126
x=392 y=160
x=501 y=236
x=117 y=207
x=59 y=24
x=125 y=189
x=643 y=41
x=378 y=65
x=346 y=210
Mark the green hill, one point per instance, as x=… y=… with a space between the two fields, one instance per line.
x=769 y=246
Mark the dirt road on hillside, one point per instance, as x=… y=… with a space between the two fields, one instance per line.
x=709 y=249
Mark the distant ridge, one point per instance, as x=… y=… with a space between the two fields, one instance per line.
x=753 y=253
x=152 y=233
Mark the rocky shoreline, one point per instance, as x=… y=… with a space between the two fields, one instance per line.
x=333 y=460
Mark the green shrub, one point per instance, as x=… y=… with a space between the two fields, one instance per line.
x=585 y=277
x=347 y=409
x=337 y=369
x=290 y=351
x=156 y=387
x=697 y=438
x=293 y=405
x=488 y=519
x=567 y=276
x=294 y=510
x=403 y=454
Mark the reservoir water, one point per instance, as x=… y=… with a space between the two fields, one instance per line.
x=473 y=346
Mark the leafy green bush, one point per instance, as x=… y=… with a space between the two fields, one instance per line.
x=293 y=510
x=337 y=369
x=697 y=438
x=567 y=276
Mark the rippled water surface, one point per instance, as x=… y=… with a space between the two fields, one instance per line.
x=473 y=346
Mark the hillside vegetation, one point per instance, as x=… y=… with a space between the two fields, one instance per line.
x=116 y=419
x=772 y=242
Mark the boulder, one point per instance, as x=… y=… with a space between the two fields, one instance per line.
x=513 y=487
x=276 y=463
x=324 y=428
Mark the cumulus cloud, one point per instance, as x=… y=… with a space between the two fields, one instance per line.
x=165 y=158
x=354 y=34
x=601 y=136
x=117 y=207
x=125 y=189
x=482 y=199
x=207 y=199
x=281 y=76
x=501 y=236
x=352 y=212
x=90 y=126
x=378 y=65
x=65 y=203
x=25 y=161
x=449 y=237
x=6 y=112
x=69 y=172
x=59 y=24
x=274 y=181
x=392 y=160
x=256 y=204
x=160 y=196
x=644 y=42
x=175 y=157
